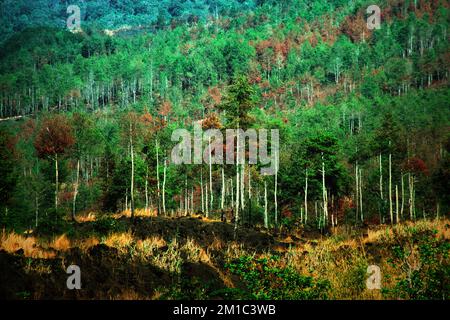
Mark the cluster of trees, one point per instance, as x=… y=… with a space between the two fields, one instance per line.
x=363 y=115
x=331 y=171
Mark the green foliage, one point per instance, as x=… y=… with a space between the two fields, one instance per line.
x=265 y=279
x=106 y=224
x=53 y=222
x=424 y=266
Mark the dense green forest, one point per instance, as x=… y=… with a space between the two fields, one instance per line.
x=86 y=116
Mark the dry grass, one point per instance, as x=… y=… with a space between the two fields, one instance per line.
x=119 y=240
x=13 y=242
x=90 y=217
x=85 y=244
x=342 y=258
x=61 y=243
x=150 y=244
x=387 y=234
x=150 y=212
x=169 y=259
x=195 y=253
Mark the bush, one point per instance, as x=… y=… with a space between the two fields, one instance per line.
x=264 y=279
x=105 y=224
x=53 y=222
x=424 y=268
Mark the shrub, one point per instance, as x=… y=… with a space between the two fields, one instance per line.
x=265 y=279
x=424 y=268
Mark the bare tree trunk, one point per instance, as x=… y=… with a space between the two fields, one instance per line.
x=403 y=197
x=157 y=176
x=132 y=174
x=360 y=195
x=56 y=181
x=210 y=177
x=381 y=179
x=242 y=179
x=164 y=187
x=75 y=193
x=192 y=200
x=390 y=188
x=249 y=184
x=411 y=197
x=185 y=197
x=146 y=191
x=236 y=213
x=324 y=193
x=222 y=201
x=396 y=204
x=266 y=218
x=201 y=187
x=357 y=188
x=306 y=195
x=275 y=194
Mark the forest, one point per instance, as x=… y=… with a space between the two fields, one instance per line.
x=362 y=149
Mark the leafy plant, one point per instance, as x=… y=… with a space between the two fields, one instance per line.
x=425 y=268
x=264 y=278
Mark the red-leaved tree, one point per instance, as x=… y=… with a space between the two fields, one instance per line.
x=53 y=138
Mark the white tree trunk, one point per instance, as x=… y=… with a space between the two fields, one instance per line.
x=266 y=218
x=75 y=193
x=381 y=179
x=390 y=189
x=132 y=174
x=210 y=177
x=242 y=179
x=146 y=191
x=164 y=187
x=306 y=195
x=324 y=193
x=403 y=197
x=275 y=194
x=201 y=191
x=357 y=188
x=397 y=213
x=360 y=195
x=222 y=201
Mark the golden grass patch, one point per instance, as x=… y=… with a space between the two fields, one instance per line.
x=12 y=242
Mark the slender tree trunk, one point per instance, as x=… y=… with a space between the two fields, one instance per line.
x=56 y=181
x=164 y=187
x=222 y=202
x=185 y=197
x=306 y=195
x=357 y=188
x=75 y=193
x=243 y=189
x=381 y=179
x=157 y=176
x=360 y=195
x=275 y=193
x=132 y=174
x=403 y=197
x=266 y=218
x=324 y=193
x=211 y=196
x=249 y=184
x=390 y=189
x=236 y=213
x=201 y=191
x=396 y=204
x=146 y=191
